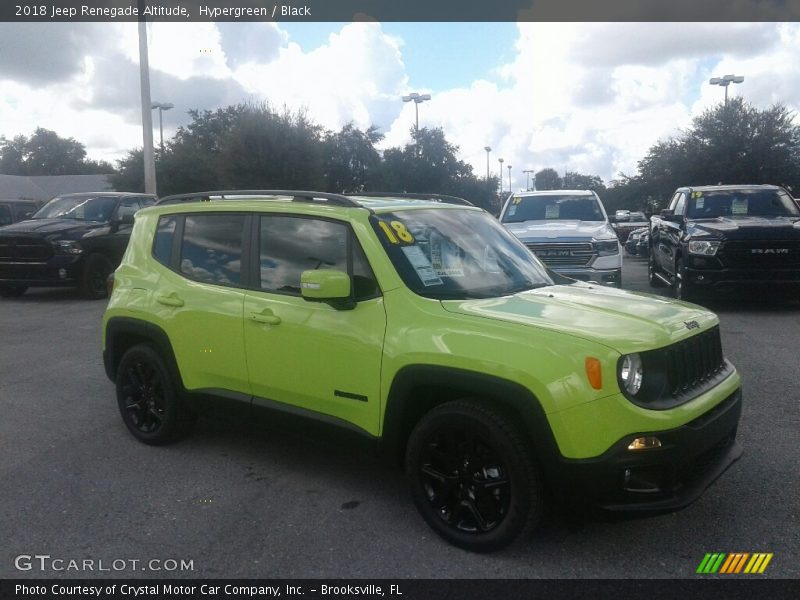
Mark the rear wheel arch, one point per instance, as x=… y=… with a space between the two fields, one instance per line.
x=123 y=333
x=417 y=389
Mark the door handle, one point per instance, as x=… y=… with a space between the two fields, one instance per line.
x=170 y=300
x=265 y=317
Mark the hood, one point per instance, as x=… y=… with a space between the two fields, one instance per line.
x=622 y=320
x=68 y=228
x=547 y=231
x=746 y=227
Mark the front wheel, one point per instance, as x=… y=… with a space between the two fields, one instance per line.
x=473 y=476
x=148 y=399
x=95 y=274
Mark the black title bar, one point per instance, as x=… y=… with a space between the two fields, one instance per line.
x=400 y=10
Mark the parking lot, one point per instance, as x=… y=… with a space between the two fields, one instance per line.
x=305 y=502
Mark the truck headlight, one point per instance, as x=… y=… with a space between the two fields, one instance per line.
x=631 y=373
x=703 y=247
x=607 y=247
x=68 y=247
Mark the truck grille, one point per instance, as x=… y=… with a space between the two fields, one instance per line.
x=572 y=254
x=760 y=253
x=23 y=249
x=693 y=361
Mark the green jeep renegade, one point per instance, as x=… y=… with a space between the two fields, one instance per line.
x=426 y=326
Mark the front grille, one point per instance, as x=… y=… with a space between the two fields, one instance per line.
x=692 y=362
x=24 y=249
x=760 y=253
x=568 y=254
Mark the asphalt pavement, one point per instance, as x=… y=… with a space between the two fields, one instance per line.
x=304 y=502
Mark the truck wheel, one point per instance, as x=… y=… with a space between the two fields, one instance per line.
x=96 y=270
x=12 y=291
x=473 y=476
x=148 y=400
x=652 y=269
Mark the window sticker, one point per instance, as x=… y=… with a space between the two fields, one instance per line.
x=697 y=194
x=422 y=265
x=516 y=200
x=551 y=211
x=739 y=206
x=512 y=210
x=396 y=232
x=446 y=257
x=700 y=202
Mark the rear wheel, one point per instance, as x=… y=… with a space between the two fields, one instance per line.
x=95 y=273
x=148 y=400
x=473 y=476
x=12 y=291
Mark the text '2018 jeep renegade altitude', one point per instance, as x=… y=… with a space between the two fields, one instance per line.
x=429 y=328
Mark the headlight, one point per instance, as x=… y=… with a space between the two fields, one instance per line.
x=703 y=247
x=68 y=247
x=630 y=373
x=607 y=247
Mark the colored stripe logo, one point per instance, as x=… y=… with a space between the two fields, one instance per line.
x=734 y=563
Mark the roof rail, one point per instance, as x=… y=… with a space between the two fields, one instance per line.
x=416 y=196
x=296 y=196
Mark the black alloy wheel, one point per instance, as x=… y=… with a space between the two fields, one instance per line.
x=147 y=399
x=473 y=477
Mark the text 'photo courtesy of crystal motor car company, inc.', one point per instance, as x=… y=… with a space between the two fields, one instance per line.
x=435 y=333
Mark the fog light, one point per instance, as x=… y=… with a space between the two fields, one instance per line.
x=644 y=480
x=645 y=443
x=62 y=273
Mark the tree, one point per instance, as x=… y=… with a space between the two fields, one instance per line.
x=734 y=143
x=579 y=181
x=45 y=153
x=430 y=164
x=351 y=163
x=548 y=179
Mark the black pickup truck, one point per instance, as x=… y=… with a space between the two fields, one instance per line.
x=725 y=236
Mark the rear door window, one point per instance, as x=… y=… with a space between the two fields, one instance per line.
x=211 y=249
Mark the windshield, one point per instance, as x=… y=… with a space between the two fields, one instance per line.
x=741 y=203
x=553 y=207
x=457 y=254
x=83 y=208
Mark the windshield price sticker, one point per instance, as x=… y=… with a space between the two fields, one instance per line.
x=699 y=202
x=422 y=265
x=739 y=206
x=512 y=210
x=516 y=200
x=551 y=211
x=445 y=257
x=697 y=194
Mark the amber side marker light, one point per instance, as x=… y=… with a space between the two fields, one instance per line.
x=594 y=372
x=645 y=443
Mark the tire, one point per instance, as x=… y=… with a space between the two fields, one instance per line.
x=12 y=291
x=681 y=287
x=652 y=269
x=148 y=399
x=482 y=510
x=96 y=270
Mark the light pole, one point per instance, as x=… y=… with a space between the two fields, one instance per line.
x=147 y=115
x=418 y=99
x=488 y=150
x=501 y=161
x=725 y=81
x=509 y=178
x=527 y=179
x=161 y=106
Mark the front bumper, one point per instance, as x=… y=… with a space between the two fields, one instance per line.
x=716 y=278
x=662 y=479
x=604 y=276
x=58 y=270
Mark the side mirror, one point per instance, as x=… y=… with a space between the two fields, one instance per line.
x=666 y=212
x=327 y=285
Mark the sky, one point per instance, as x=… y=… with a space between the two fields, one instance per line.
x=586 y=97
